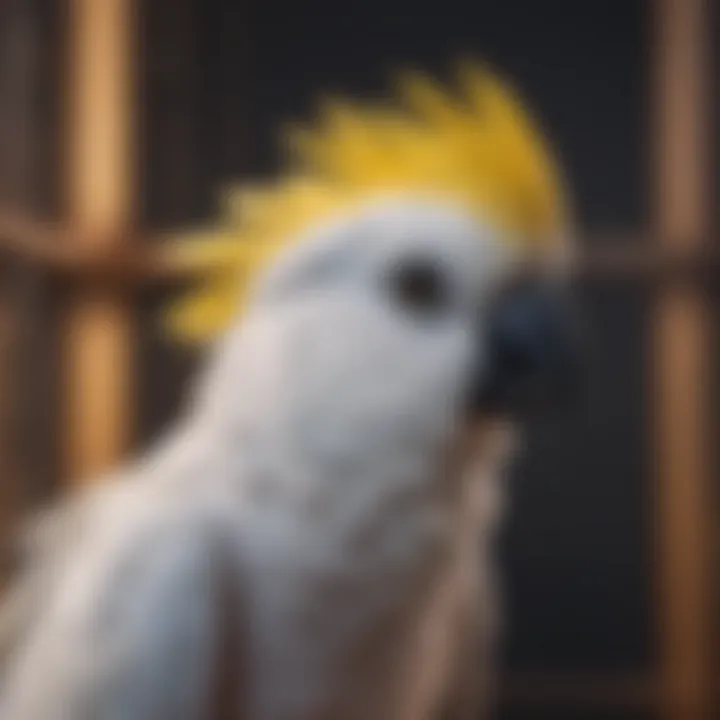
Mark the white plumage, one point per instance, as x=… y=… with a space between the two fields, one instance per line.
x=316 y=477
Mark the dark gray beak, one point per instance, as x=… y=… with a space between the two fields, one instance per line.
x=533 y=359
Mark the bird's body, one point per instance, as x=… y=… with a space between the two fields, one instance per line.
x=314 y=540
x=335 y=614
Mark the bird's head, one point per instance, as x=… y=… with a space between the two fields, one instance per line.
x=405 y=276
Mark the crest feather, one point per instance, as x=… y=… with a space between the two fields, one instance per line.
x=478 y=146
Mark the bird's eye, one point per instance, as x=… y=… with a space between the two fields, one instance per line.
x=420 y=286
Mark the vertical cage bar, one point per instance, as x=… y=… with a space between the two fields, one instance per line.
x=682 y=350
x=98 y=338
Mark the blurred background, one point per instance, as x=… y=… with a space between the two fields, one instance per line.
x=121 y=120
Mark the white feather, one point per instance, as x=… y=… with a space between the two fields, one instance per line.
x=315 y=454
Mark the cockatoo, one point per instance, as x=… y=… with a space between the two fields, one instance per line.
x=313 y=540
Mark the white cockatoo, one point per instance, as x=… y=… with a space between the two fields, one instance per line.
x=313 y=540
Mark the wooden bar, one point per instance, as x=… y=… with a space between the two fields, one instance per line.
x=11 y=504
x=101 y=206
x=682 y=351
x=22 y=70
x=139 y=260
x=14 y=85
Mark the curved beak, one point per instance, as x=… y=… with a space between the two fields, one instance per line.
x=533 y=357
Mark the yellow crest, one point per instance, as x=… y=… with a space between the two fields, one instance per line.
x=478 y=147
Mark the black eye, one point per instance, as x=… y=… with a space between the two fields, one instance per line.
x=420 y=286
